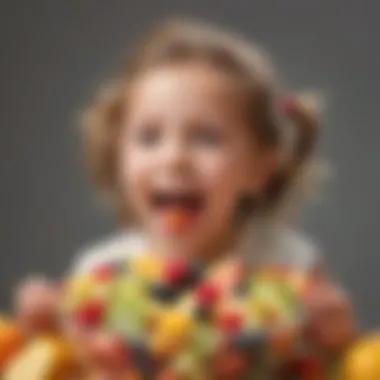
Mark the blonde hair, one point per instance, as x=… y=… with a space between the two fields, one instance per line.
x=178 y=41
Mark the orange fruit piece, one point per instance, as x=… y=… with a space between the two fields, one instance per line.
x=362 y=361
x=11 y=341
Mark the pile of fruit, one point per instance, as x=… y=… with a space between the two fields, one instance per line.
x=179 y=320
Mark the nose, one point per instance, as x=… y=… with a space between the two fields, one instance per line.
x=174 y=155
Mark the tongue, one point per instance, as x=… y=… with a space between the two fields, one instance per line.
x=178 y=220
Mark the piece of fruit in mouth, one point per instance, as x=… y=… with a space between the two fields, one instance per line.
x=178 y=209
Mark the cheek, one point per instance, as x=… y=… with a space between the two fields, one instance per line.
x=134 y=171
x=224 y=174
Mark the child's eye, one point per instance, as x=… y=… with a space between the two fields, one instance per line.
x=148 y=135
x=208 y=136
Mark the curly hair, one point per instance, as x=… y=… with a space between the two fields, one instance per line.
x=180 y=41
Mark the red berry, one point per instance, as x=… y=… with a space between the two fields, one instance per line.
x=230 y=365
x=231 y=323
x=109 y=352
x=90 y=314
x=310 y=368
x=176 y=272
x=207 y=294
x=103 y=273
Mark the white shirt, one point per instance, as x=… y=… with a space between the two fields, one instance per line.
x=281 y=245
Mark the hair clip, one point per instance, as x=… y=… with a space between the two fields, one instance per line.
x=287 y=105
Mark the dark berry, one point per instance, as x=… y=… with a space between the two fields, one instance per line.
x=202 y=313
x=163 y=293
x=250 y=341
x=141 y=357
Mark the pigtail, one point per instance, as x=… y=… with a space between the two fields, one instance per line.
x=100 y=127
x=302 y=112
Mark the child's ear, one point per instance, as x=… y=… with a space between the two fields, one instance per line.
x=264 y=167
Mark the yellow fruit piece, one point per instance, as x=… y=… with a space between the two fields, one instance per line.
x=46 y=358
x=147 y=267
x=362 y=362
x=298 y=282
x=81 y=287
x=173 y=329
x=78 y=289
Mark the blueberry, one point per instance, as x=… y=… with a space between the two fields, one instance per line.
x=163 y=293
x=250 y=341
x=141 y=358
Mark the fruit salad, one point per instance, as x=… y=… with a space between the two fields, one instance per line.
x=176 y=319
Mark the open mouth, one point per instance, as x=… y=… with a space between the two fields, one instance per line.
x=189 y=202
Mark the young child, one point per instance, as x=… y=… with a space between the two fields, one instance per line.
x=197 y=123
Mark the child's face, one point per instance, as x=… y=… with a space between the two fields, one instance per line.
x=186 y=146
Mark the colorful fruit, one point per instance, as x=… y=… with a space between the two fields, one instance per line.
x=230 y=365
x=11 y=340
x=176 y=309
x=147 y=267
x=207 y=294
x=176 y=272
x=281 y=341
x=90 y=314
x=173 y=329
x=250 y=341
x=231 y=322
x=311 y=368
x=79 y=288
x=108 y=352
x=362 y=361
x=163 y=293
x=44 y=358
x=103 y=273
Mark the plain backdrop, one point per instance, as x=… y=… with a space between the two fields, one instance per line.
x=54 y=54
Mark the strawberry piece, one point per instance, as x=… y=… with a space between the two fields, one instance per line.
x=103 y=273
x=90 y=314
x=207 y=294
x=282 y=342
x=230 y=365
x=310 y=368
x=108 y=352
x=231 y=323
x=176 y=272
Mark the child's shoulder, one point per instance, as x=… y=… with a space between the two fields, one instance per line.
x=114 y=248
x=296 y=249
x=286 y=246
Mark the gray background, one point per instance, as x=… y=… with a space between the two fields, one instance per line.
x=54 y=53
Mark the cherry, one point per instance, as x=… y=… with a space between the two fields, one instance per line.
x=207 y=294
x=90 y=314
x=176 y=272
x=103 y=273
x=231 y=323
